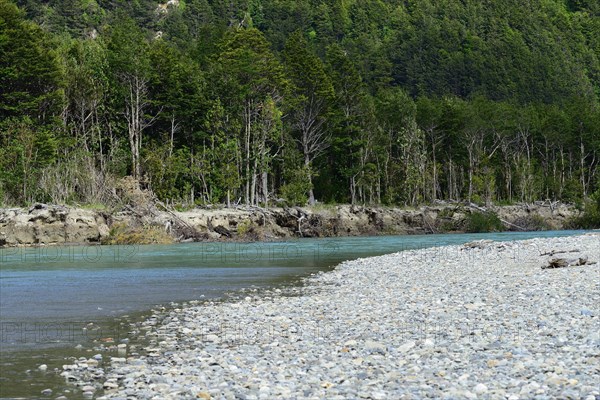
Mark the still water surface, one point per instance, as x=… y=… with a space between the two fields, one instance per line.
x=48 y=295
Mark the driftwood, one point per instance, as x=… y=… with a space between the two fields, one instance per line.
x=185 y=230
x=220 y=229
x=567 y=262
x=478 y=244
x=300 y=216
x=553 y=252
x=133 y=211
x=431 y=228
x=545 y=203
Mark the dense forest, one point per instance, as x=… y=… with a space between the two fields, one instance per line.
x=267 y=101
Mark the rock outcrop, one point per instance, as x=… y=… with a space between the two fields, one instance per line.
x=48 y=224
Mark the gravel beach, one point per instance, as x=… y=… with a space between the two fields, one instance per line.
x=481 y=320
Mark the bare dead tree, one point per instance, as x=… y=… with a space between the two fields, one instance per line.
x=137 y=104
x=314 y=139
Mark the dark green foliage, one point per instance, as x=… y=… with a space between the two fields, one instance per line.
x=371 y=102
x=25 y=149
x=480 y=222
x=295 y=191
x=590 y=218
x=29 y=70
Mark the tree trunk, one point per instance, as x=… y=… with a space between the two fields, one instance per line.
x=136 y=121
x=471 y=166
x=253 y=197
x=247 y=132
x=311 y=193
x=582 y=167
x=434 y=183
x=265 y=188
x=174 y=128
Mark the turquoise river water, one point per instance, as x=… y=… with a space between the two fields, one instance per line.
x=59 y=302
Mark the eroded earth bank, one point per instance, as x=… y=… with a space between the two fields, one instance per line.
x=146 y=222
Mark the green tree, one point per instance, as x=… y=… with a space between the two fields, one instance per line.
x=25 y=148
x=251 y=82
x=311 y=97
x=30 y=75
x=176 y=89
x=401 y=156
x=347 y=122
x=128 y=59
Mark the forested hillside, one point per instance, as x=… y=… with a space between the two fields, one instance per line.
x=254 y=101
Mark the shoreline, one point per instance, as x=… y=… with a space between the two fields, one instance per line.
x=45 y=225
x=481 y=324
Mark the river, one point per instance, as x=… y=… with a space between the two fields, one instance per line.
x=61 y=302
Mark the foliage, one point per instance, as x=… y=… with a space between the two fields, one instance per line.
x=479 y=222
x=367 y=102
x=245 y=227
x=590 y=218
x=295 y=192
x=29 y=70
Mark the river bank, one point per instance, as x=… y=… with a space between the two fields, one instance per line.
x=481 y=320
x=55 y=225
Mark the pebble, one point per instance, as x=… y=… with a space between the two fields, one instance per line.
x=378 y=396
x=375 y=347
x=213 y=338
x=92 y=362
x=110 y=385
x=446 y=322
x=406 y=347
x=480 y=388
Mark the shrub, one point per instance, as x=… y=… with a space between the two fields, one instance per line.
x=245 y=227
x=295 y=192
x=447 y=226
x=479 y=222
x=445 y=221
x=447 y=212
x=590 y=218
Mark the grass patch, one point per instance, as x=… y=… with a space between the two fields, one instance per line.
x=121 y=233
